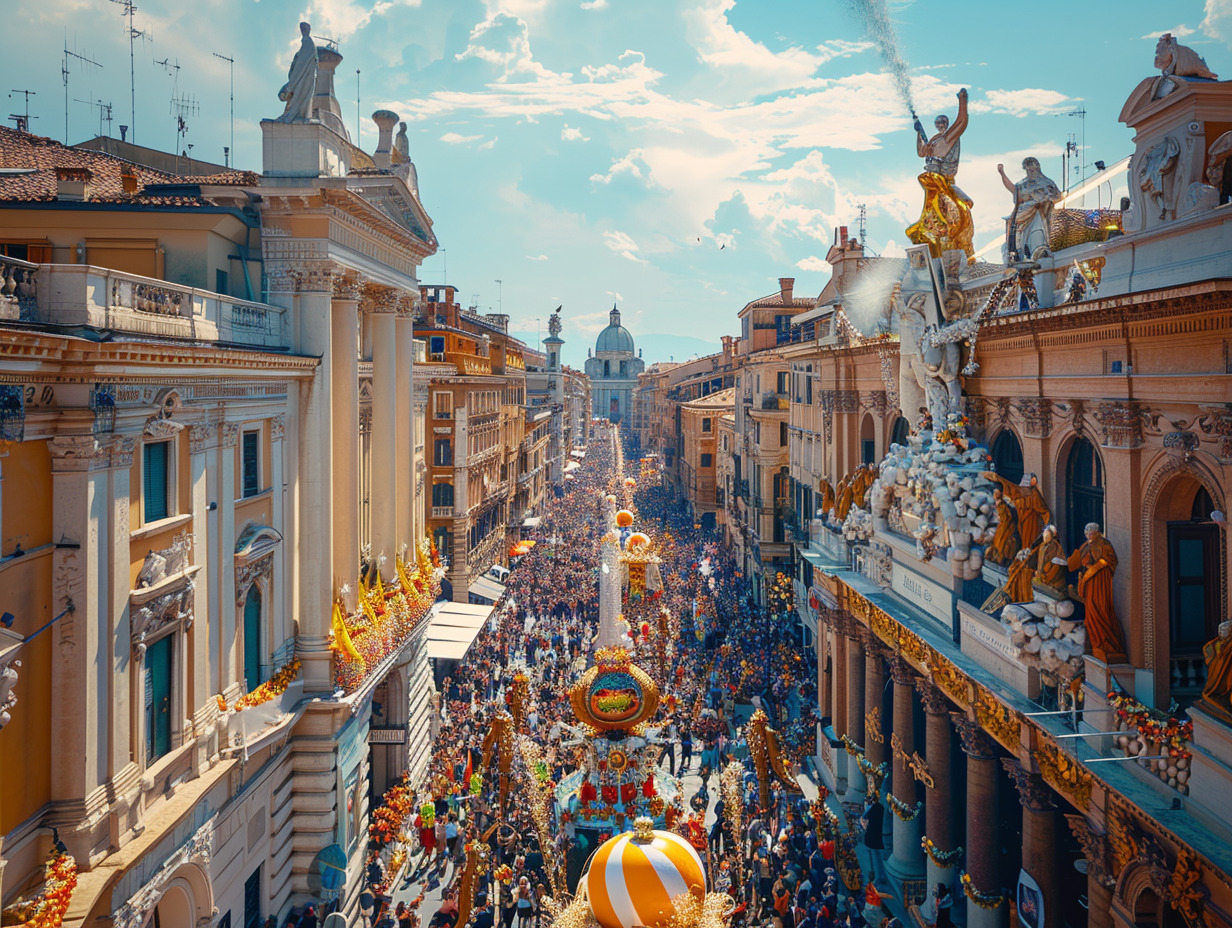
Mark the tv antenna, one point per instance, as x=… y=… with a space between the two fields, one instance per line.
x=231 y=62
x=64 y=72
x=357 y=122
x=1071 y=148
x=22 y=120
x=129 y=8
x=104 y=113
x=862 y=222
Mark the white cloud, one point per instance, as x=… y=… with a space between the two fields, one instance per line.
x=812 y=263
x=453 y=138
x=615 y=295
x=1026 y=102
x=489 y=144
x=624 y=245
x=572 y=134
x=1217 y=22
x=594 y=4
x=503 y=41
x=340 y=19
x=536 y=257
x=631 y=164
x=1179 y=32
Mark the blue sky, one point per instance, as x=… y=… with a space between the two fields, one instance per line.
x=674 y=156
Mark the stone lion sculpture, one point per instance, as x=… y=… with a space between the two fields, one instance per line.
x=1176 y=60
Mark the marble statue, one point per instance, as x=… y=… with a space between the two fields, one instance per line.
x=826 y=491
x=1097 y=562
x=301 y=83
x=401 y=145
x=1217 y=693
x=1176 y=60
x=1034 y=196
x=945 y=222
x=1033 y=511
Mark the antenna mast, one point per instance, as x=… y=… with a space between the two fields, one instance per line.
x=863 y=224
x=357 y=124
x=231 y=150
x=64 y=74
x=22 y=120
x=1071 y=147
x=104 y=113
x=129 y=8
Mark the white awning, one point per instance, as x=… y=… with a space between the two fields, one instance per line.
x=578 y=454
x=452 y=627
x=532 y=522
x=487 y=588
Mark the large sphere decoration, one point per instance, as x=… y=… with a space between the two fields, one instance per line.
x=624 y=518
x=634 y=876
x=637 y=539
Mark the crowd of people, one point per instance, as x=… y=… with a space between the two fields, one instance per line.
x=725 y=656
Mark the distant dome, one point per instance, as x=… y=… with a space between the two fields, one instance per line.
x=615 y=337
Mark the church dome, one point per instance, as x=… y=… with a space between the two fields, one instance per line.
x=615 y=337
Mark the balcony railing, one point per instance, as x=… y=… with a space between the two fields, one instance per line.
x=82 y=295
x=442 y=512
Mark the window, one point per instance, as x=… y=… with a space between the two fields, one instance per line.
x=250 y=460
x=442 y=405
x=220 y=281
x=442 y=494
x=155 y=488
x=705 y=425
x=436 y=348
x=442 y=452
x=783 y=382
x=252 y=900
x=1084 y=492
x=782 y=434
x=1007 y=456
x=607 y=368
x=157 y=684
x=443 y=539
x=707 y=460
x=252 y=639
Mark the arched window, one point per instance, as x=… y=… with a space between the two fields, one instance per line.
x=868 y=441
x=252 y=639
x=1007 y=456
x=1084 y=493
x=442 y=494
x=898 y=435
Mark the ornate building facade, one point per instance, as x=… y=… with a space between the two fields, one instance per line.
x=613 y=370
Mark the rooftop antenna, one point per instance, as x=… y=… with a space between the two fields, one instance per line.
x=64 y=74
x=22 y=120
x=1071 y=147
x=862 y=222
x=358 y=124
x=129 y=8
x=182 y=106
x=500 y=296
x=231 y=62
x=104 y=113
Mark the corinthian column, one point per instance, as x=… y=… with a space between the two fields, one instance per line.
x=344 y=447
x=1039 y=834
x=874 y=690
x=384 y=460
x=907 y=861
x=1099 y=881
x=855 y=712
x=937 y=825
x=981 y=841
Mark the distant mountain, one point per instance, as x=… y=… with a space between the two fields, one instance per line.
x=654 y=347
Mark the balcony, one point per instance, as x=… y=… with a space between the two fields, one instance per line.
x=98 y=298
x=442 y=512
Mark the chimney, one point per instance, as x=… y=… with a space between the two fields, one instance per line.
x=128 y=177
x=842 y=236
x=123 y=133
x=786 y=284
x=73 y=183
x=385 y=121
x=325 y=105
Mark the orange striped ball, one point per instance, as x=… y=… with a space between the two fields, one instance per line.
x=631 y=883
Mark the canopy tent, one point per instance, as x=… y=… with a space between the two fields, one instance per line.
x=532 y=522
x=487 y=588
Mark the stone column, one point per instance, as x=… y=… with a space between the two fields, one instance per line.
x=404 y=435
x=856 y=782
x=838 y=680
x=311 y=544
x=1039 y=834
x=344 y=438
x=383 y=503
x=223 y=531
x=874 y=689
x=279 y=614
x=907 y=861
x=1099 y=880
x=982 y=826
x=937 y=824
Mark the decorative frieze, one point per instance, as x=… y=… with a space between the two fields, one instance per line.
x=1064 y=774
x=1094 y=844
x=1036 y=415
x=163 y=597
x=1121 y=422
x=1000 y=721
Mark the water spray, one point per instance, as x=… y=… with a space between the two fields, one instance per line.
x=875 y=17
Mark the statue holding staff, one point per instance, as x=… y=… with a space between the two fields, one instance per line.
x=297 y=93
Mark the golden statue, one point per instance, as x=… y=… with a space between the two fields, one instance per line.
x=1051 y=565
x=866 y=476
x=1097 y=562
x=845 y=497
x=945 y=223
x=1033 y=511
x=1006 y=543
x=1217 y=694
x=826 y=491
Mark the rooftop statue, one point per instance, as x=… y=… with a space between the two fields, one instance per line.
x=301 y=83
x=1217 y=693
x=945 y=222
x=1176 y=60
x=1096 y=562
x=1029 y=223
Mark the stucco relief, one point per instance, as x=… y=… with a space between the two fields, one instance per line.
x=196 y=850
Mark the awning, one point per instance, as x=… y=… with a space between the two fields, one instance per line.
x=452 y=627
x=820 y=561
x=532 y=522
x=487 y=588
x=578 y=454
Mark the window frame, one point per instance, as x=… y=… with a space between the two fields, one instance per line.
x=259 y=434
x=170 y=473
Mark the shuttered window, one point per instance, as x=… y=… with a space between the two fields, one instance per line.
x=251 y=456
x=154 y=478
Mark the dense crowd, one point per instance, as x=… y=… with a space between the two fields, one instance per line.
x=724 y=655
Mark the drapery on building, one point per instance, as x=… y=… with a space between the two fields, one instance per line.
x=613 y=371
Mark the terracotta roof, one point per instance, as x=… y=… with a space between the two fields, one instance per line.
x=29 y=163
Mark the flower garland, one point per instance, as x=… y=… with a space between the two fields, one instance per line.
x=982 y=899
x=1161 y=743
x=271 y=689
x=390 y=817
x=901 y=810
x=47 y=910
x=940 y=858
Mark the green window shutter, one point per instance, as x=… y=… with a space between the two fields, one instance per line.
x=154 y=481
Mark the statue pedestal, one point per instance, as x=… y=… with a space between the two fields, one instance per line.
x=1210 y=773
x=1098 y=680
x=303 y=149
x=988 y=643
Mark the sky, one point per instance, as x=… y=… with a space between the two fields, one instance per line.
x=674 y=157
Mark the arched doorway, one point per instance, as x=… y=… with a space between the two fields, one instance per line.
x=1084 y=491
x=868 y=441
x=174 y=910
x=1007 y=456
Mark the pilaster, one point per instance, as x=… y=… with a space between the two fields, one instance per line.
x=404 y=434
x=344 y=444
